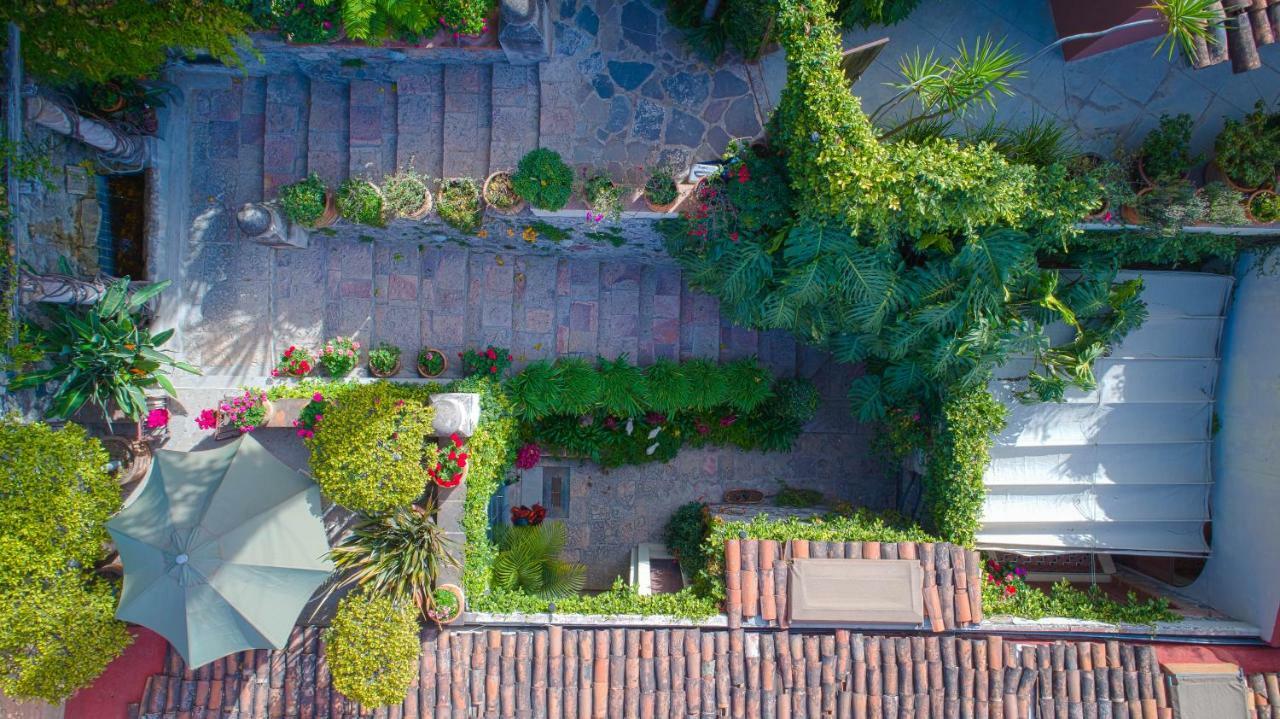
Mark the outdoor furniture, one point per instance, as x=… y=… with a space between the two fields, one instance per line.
x=221 y=550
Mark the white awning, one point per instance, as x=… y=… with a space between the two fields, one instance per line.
x=1124 y=468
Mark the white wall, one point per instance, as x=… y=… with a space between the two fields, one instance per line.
x=1242 y=578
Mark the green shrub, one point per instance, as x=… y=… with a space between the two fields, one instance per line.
x=1171 y=206
x=957 y=458
x=303 y=201
x=307 y=21
x=1248 y=150
x=103 y=354
x=686 y=530
x=360 y=202
x=789 y=496
x=1064 y=600
x=384 y=357
x=459 y=204
x=865 y=13
x=367 y=453
x=373 y=649
x=57 y=620
x=660 y=188
x=466 y=17
x=1265 y=207
x=529 y=561
x=543 y=179
x=1224 y=206
x=1166 y=151
x=404 y=193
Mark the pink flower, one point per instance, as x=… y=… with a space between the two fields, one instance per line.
x=527 y=456
x=157 y=418
x=317 y=397
x=327 y=25
x=207 y=419
x=1107 y=217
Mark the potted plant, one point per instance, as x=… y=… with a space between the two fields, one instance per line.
x=1263 y=207
x=450 y=466
x=447 y=603
x=660 y=191
x=543 y=179
x=523 y=516
x=339 y=356
x=405 y=194
x=309 y=418
x=360 y=201
x=459 y=204
x=603 y=196
x=237 y=415
x=490 y=362
x=432 y=362
x=1170 y=206
x=294 y=362
x=1165 y=154
x=500 y=194
x=384 y=360
x=308 y=203
x=1225 y=206
x=1247 y=151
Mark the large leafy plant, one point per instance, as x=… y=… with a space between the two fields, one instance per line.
x=1248 y=150
x=543 y=179
x=529 y=561
x=104 y=354
x=373 y=648
x=398 y=554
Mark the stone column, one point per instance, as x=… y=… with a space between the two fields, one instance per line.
x=112 y=143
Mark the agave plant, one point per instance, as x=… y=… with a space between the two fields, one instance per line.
x=398 y=554
x=104 y=354
x=529 y=561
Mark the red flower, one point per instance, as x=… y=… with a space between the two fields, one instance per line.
x=493 y=368
x=453 y=454
x=305 y=367
x=1010 y=589
x=508 y=358
x=491 y=354
x=289 y=352
x=743 y=174
x=733 y=236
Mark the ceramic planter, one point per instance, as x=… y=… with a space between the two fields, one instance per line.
x=662 y=208
x=1248 y=207
x=443 y=367
x=394 y=370
x=1215 y=172
x=484 y=194
x=330 y=214
x=425 y=209
x=456 y=591
x=1130 y=213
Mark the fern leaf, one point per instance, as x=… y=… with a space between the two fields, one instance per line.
x=866 y=394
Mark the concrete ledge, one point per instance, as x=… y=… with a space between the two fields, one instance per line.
x=1200 y=627
x=719 y=621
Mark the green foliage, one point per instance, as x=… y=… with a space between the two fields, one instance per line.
x=957 y=456
x=620 y=600
x=459 y=204
x=1223 y=205
x=1042 y=142
x=96 y=41
x=398 y=555
x=367 y=454
x=798 y=398
x=500 y=193
x=303 y=201
x=404 y=193
x=529 y=561
x=865 y=13
x=383 y=358
x=431 y=360
x=373 y=648
x=545 y=229
x=1166 y=151
x=543 y=179
x=748 y=25
x=1248 y=150
x=603 y=196
x=57 y=620
x=789 y=496
x=1064 y=600
x=861 y=525
x=339 y=356
x=307 y=21
x=1171 y=205
x=950 y=87
x=1140 y=249
x=103 y=354
x=360 y=202
x=685 y=533
x=466 y=17
x=660 y=188
x=1265 y=207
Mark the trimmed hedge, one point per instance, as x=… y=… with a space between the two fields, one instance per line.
x=373 y=648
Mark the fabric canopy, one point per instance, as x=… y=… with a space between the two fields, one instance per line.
x=1124 y=468
x=221 y=550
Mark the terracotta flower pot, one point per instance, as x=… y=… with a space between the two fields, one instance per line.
x=1214 y=171
x=1248 y=207
x=1130 y=213
x=456 y=591
x=1101 y=214
x=443 y=367
x=394 y=370
x=330 y=214
x=425 y=209
x=661 y=208
x=484 y=194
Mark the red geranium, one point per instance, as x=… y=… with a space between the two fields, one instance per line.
x=450 y=465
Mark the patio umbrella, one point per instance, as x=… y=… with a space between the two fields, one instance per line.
x=221 y=550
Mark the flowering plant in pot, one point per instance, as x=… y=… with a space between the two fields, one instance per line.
x=311 y=415
x=384 y=360
x=528 y=516
x=459 y=204
x=490 y=362
x=450 y=464
x=432 y=362
x=244 y=413
x=1264 y=207
x=339 y=356
x=500 y=194
x=660 y=190
x=604 y=198
x=308 y=203
x=294 y=362
x=446 y=604
x=405 y=194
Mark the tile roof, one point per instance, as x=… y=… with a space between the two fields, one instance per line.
x=564 y=673
x=756 y=578
x=1265 y=693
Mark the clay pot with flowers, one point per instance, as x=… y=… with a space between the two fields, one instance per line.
x=339 y=356
x=236 y=416
x=447 y=602
x=449 y=468
x=489 y=362
x=523 y=516
x=432 y=362
x=294 y=362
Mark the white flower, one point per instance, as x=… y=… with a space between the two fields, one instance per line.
x=631 y=425
x=654 y=432
x=652 y=448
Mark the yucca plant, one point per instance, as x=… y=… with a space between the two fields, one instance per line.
x=103 y=354
x=529 y=561
x=398 y=554
x=534 y=391
x=579 y=385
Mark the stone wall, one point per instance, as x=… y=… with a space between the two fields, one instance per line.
x=62 y=217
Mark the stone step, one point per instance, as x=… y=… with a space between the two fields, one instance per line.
x=372 y=130
x=251 y=125
x=699 y=325
x=420 y=120
x=467 y=120
x=327 y=128
x=515 y=100
x=285 y=137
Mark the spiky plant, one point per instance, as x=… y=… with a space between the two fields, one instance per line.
x=529 y=561
x=398 y=554
x=707 y=387
x=668 y=387
x=747 y=384
x=579 y=385
x=624 y=390
x=534 y=391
